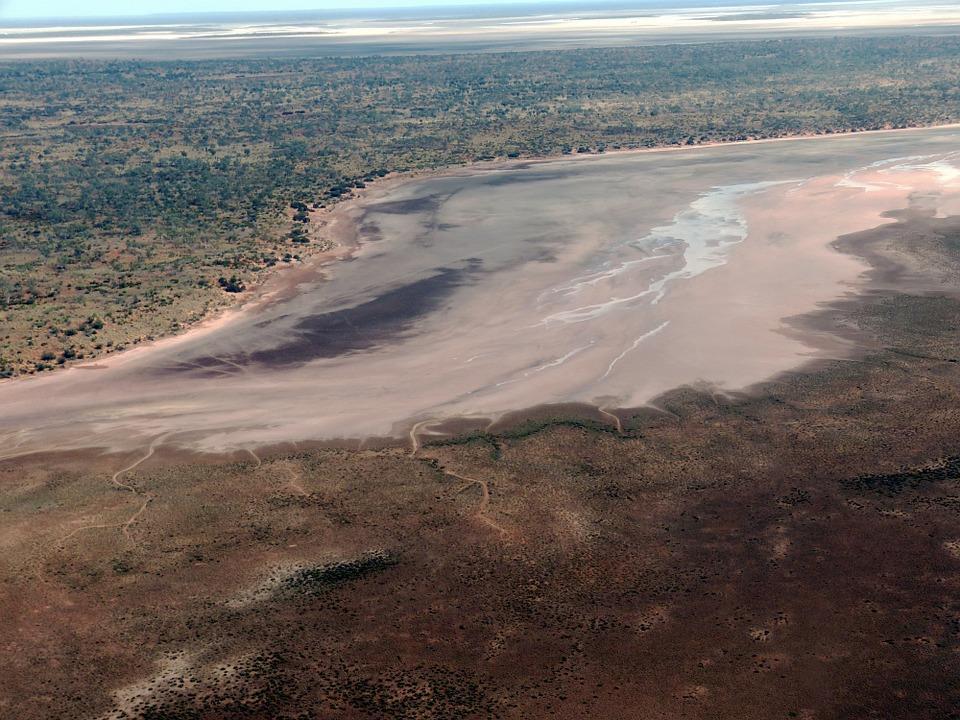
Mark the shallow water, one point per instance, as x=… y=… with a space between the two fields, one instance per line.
x=605 y=280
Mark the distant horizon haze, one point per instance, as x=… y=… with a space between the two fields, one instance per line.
x=376 y=27
x=26 y=10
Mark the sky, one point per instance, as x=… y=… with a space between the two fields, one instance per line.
x=17 y=9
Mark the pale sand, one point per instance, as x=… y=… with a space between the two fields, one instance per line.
x=605 y=281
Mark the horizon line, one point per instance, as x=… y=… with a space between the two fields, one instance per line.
x=347 y=11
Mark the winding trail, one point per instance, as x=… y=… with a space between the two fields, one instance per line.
x=151 y=449
x=133 y=518
x=295 y=482
x=86 y=527
x=148 y=497
x=117 y=482
x=295 y=477
x=414 y=439
x=481 y=513
x=616 y=419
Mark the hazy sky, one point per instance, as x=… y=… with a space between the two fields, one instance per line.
x=100 y=8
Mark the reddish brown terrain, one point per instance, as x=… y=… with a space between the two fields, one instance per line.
x=791 y=552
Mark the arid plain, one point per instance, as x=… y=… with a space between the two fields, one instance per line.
x=646 y=435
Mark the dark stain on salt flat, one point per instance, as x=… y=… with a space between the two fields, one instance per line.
x=519 y=178
x=386 y=318
x=364 y=325
x=412 y=206
x=370 y=231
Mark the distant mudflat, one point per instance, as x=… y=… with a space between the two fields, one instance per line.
x=605 y=280
x=464 y=29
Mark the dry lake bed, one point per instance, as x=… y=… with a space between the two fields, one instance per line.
x=604 y=280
